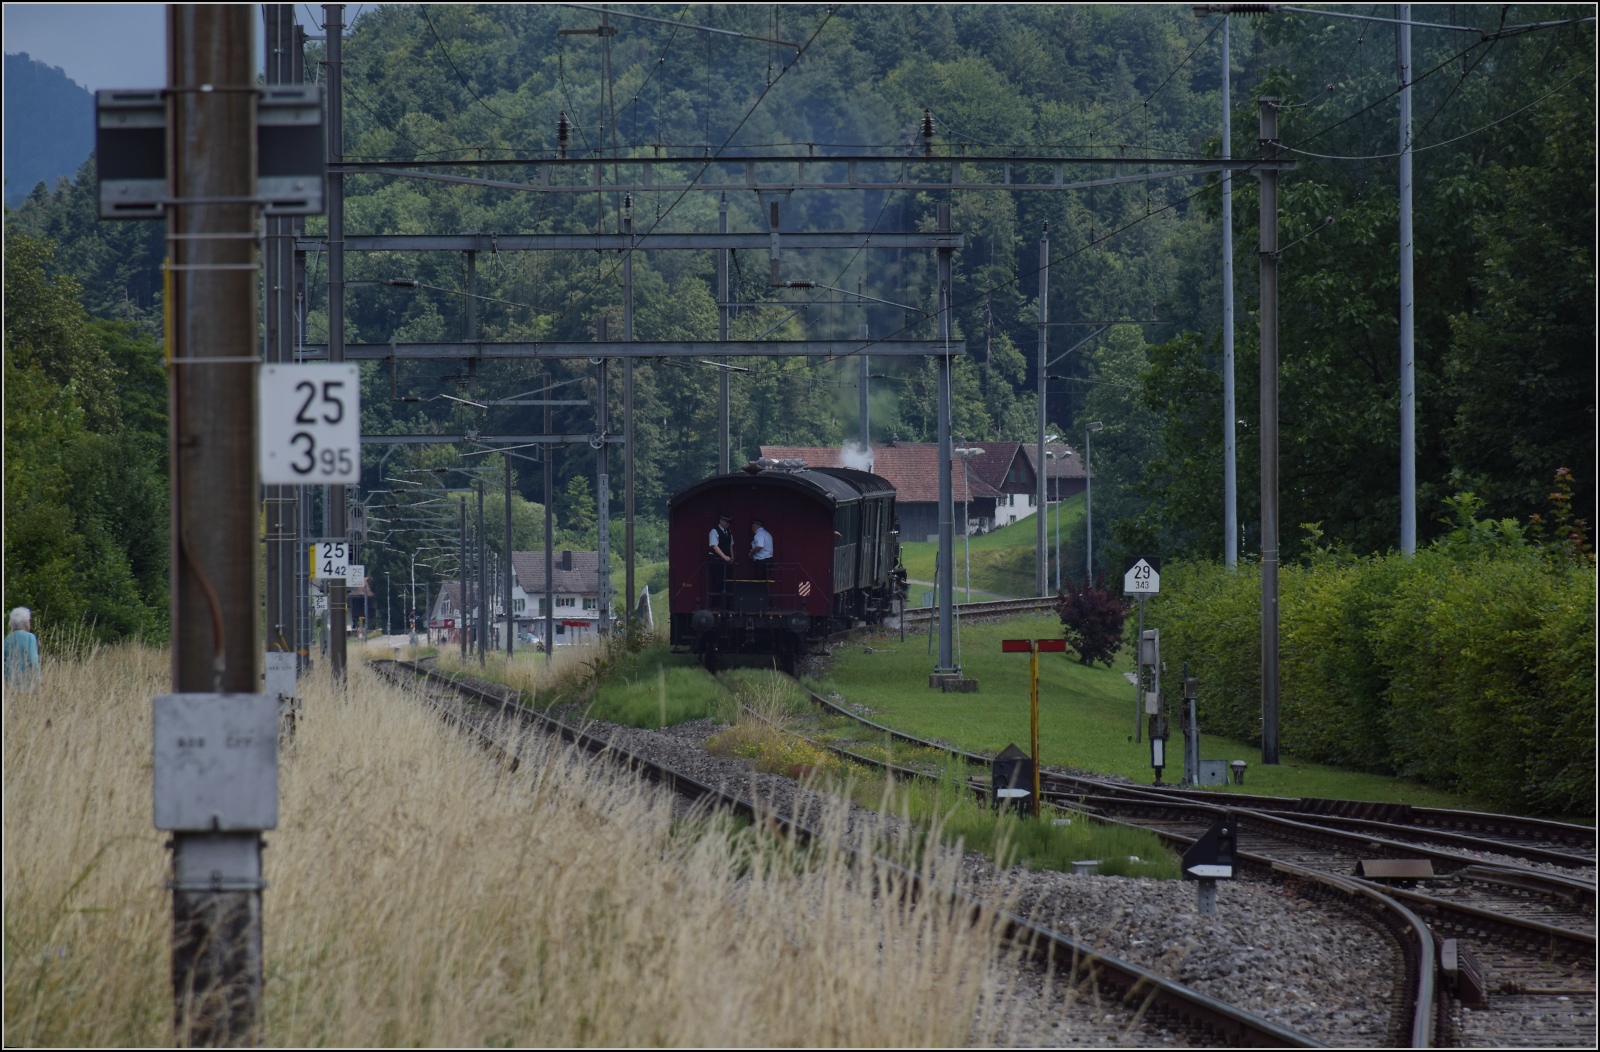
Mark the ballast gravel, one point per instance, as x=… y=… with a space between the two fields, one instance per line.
x=1301 y=964
x=1289 y=960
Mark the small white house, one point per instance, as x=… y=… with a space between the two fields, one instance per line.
x=576 y=587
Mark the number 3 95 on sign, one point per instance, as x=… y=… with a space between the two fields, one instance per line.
x=310 y=424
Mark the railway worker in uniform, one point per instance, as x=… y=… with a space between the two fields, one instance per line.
x=22 y=652
x=760 y=552
x=719 y=556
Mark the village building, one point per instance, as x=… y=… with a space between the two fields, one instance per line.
x=577 y=600
x=999 y=486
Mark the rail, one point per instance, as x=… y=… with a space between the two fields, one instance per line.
x=1223 y=1022
x=919 y=614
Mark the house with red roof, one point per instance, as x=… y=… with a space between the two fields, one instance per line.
x=998 y=487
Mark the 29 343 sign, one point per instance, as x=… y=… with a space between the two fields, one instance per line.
x=310 y=424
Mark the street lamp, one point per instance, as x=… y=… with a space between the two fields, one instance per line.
x=1088 y=506
x=966 y=453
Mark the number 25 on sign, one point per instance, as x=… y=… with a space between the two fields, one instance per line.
x=330 y=561
x=310 y=424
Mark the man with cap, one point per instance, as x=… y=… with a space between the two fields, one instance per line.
x=761 y=552
x=719 y=556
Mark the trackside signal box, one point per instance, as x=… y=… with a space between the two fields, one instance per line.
x=1011 y=781
x=1211 y=858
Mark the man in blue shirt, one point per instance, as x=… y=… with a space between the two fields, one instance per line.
x=761 y=552
x=21 y=652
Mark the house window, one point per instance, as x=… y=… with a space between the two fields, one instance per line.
x=590 y=604
x=519 y=605
x=1031 y=500
x=544 y=606
x=566 y=600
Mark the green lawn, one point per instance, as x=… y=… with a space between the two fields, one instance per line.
x=652 y=574
x=1085 y=715
x=1003 y=562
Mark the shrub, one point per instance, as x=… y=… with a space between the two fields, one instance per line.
x=1469 y=666
x=1092 y=618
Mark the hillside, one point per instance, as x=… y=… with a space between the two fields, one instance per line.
x=49 y=126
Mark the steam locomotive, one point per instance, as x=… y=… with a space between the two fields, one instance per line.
x=835 y=561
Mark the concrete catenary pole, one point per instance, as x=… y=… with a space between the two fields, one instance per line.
x=1269 y=432
x=1408 y=379
x=602 y=489
x=549 y=533
x=335 y=512
x=466 y=562
x=511 y=615
x=1042 y=559
x=628 y=597
x=1230 y=415
x=281 y=44
x=863 y=383
x=481 y=593
x=211 y=314
x=724 y=423
x=946 y=572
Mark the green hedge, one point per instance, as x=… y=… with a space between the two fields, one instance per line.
x=1470 y=666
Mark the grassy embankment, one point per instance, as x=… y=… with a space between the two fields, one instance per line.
x=1003 y=562
x=1085 y=714
x=422 y=894
x=770 y=723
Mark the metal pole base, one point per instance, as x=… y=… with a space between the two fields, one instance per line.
x=1207 y=896
x=216 y=939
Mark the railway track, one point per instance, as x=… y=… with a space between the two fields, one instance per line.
x=1150 y=996
x=1515 y=946
x=994 y=607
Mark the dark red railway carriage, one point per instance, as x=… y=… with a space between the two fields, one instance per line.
x=836 y=561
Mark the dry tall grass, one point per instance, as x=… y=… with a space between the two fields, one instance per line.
x=422 y=894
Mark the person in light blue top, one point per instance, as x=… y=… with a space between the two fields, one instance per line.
x=761 y=552
x=22 y=652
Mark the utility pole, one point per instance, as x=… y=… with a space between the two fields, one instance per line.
x=511 y=619
x=281 y=41
x=481 y=592
x=627 y=419
x=1269 y=431
x=335 y=512
x=549 y=534
x=724 y=436
x=304 y=616
x=946 y=577
x=1088 y=507
x=211 y=234
x=1042 y=582
x=602 y=491
x=1408 y=357
x=864 y=379
x=1230 y=416
x=465 y=562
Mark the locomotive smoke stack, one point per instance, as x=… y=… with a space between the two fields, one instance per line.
x=852 y=455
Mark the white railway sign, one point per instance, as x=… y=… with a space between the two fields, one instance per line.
x=330 y=561
x=1142 y=576
x=310 y=424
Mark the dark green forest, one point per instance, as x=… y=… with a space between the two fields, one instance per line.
x=1504 y=198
